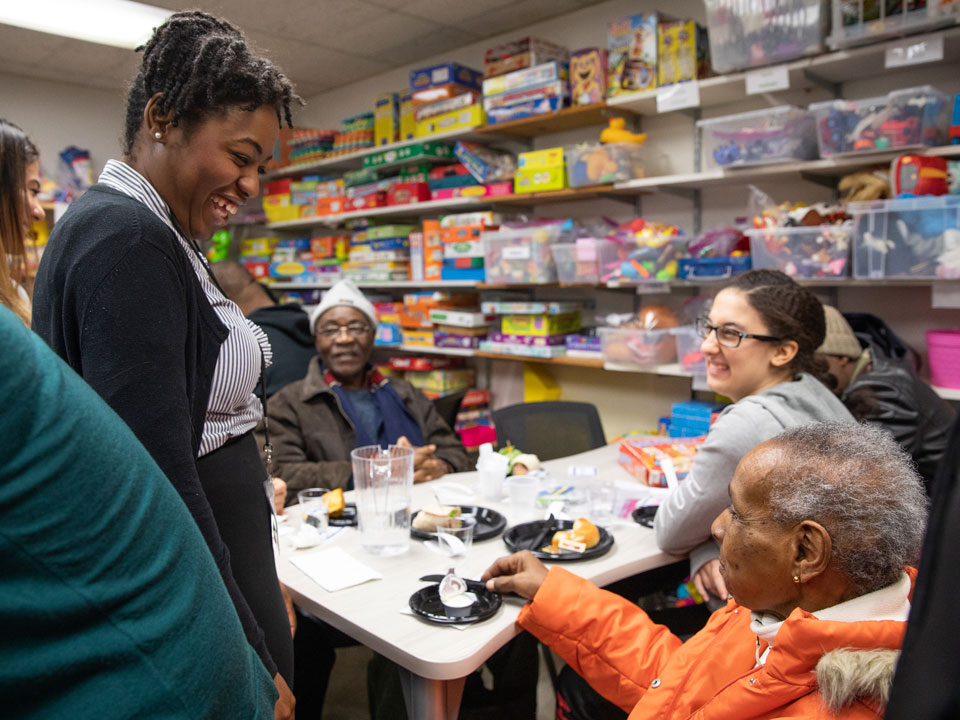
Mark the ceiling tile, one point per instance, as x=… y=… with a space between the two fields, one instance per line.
x=387 y=29
x=450 y=13
x=517 y=15
x=25 y=46
x=434 y=43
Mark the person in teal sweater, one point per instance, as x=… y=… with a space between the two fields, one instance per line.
x=111 y=605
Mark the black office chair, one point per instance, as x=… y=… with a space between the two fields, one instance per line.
x=550 y=429
x=448 y=407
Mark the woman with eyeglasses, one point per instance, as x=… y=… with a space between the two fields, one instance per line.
x=344 y=403
x=759 y=340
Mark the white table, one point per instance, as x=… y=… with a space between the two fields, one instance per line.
x=437 y=658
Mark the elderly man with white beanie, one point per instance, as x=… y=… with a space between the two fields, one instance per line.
x=885 y=391
x=344 y=403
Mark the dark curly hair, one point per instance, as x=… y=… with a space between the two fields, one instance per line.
x=202 y=65
x=790 y=312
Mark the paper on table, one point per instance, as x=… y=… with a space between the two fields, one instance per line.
x=334 y=569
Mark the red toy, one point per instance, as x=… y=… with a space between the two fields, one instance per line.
x=914 y=175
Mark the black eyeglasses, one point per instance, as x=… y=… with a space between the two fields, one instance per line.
x=354 y=330
x=728 y=337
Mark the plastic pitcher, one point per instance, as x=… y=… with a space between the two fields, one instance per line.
x=384 y=482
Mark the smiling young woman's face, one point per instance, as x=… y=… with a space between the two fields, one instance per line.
x=210 y=168
x=32 y=209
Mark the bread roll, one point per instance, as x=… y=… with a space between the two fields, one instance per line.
x=583 y=531
x=432 y=516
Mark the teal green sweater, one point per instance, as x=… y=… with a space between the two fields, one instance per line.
x=111 y=605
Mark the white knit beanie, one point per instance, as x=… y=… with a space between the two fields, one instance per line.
x=347 y=294
x=839 y=338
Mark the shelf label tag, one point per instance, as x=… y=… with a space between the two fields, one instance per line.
x=768 y=80
x=678 y=97
x=516 y=252
x=653 y=288
x=914 y=51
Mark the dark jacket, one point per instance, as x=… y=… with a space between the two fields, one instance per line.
x=117 y=299
x=312 y=436
x=892 y=396
x=288 y=329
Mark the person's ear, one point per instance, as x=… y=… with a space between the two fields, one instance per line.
x=156 y=124
x=784 y=353
x=812 y=548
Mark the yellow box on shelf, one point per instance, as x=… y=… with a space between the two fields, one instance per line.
x=417 y=338
x=462 y=119
x=531 y=181
x=541 y=159
x=408 y=121
x=386 y=118
x=540 y=325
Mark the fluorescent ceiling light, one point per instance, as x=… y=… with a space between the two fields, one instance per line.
x=120 y=23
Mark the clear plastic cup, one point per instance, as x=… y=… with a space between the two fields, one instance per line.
x=455 y=542
x=384 y=484
x=523 y=491
x=313 y=510
x=603 y=496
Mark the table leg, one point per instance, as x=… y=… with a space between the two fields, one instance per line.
x=431 y=699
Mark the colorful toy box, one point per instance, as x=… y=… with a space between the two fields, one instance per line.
x=408 y=193
x=417 y=338
x=498 y=307
x=524 y=110
x=806 y=252
x=597 y=164
x=461 y=318
x=683 y=54
x=540 y=170
x=530 y=77
x=540 y=325
x=552 y=89
x=642 y=456
x=465 y=118
x=518 y=54
x=905 y=118
x=386 y=118
x=588 y=76
x=441 y=107
x=414 y=151
x=632 y=54
x=484 y=164
x=408 y=119
x=773 y=135
x=444 y=74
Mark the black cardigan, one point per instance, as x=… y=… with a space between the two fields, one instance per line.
x=117 y=298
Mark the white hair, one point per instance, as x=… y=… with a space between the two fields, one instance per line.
x=858 y=483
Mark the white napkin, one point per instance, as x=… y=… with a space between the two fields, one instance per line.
x=334 y=569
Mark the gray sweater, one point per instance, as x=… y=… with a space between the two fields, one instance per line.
x=683 y=521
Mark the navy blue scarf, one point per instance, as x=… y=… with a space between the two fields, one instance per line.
x=394 y=421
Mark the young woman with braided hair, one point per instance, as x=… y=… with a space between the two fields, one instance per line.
x=759 y=340
x=125 y=296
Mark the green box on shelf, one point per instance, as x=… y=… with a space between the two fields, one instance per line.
x=384 y=232
x=414 y=151
x=355 y=178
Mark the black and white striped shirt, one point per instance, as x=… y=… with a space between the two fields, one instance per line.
x=233 y=409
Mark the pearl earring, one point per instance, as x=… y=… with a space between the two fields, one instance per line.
x=796 y=579
x=158 y=134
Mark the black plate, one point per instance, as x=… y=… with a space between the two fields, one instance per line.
x=490 y=523
x=523 y=536
x=644 y=515
x=426 y=603
x=347 y=518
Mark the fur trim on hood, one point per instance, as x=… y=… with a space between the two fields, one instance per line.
x=846 y=675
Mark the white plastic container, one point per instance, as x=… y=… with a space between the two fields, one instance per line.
x=747 y=33
x=522 y=255
x=640 y=349
x=806 y=252
x=907 y=237
x=584 y=262
x=780 y=134
x=912 y=117
x=857 y=22
x=688 y=350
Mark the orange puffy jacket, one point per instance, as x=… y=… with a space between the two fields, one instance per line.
x=642 y=666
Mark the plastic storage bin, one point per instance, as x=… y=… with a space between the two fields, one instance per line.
x=585 y=261
x=745 y=33
x=806 y=252
x=648 y=260
x=943 y=347
x=522 y=255
x=712 y=269
x=778 y=134
x=908 y=237
x=640 y=349
x=688 y=350
x=856 y=22
x=906 y=118
x=596 y=164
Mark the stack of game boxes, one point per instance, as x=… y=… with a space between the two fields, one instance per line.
x=379 y=253
x=356 y=133
x=388 y=323
x=307 y=260
x=417 y=327
x=306 y=145
x=524 y=93
x=532 y=329
x=461 y=328
x=255 y=254
x=690 y=419
x=475 y=420
x=445 y=97
x=463 y=248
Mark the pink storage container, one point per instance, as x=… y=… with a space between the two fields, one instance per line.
x=943 y=347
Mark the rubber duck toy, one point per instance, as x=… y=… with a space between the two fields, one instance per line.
x=617 y=132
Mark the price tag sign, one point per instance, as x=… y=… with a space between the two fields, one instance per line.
x=678 y=97
x=768 y=80
x=914 y=51
x=653 y=288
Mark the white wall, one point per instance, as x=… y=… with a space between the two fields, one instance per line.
x=56 y=115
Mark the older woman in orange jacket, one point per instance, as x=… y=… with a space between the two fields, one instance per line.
x=823 y=520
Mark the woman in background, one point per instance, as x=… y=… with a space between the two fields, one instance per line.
x=125 y=295
x=19 y=207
